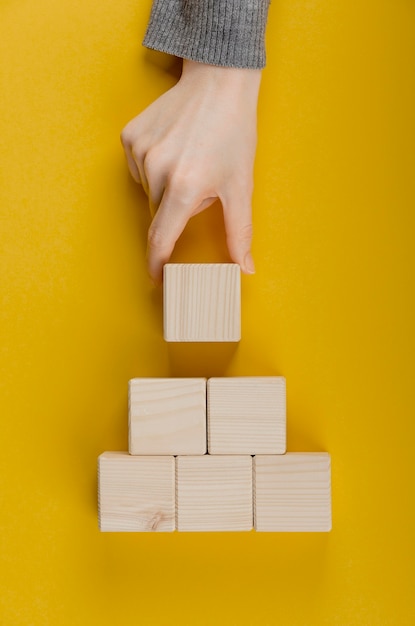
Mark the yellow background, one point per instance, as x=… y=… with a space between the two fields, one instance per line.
x=331 y=308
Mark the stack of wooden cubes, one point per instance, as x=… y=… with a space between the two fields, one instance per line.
x=210 y=455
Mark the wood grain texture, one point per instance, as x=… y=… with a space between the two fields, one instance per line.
x=136 y=494
x=214 y=493
x=246 y=415
x=202 y=302
x=167 y=416
x=292 y=492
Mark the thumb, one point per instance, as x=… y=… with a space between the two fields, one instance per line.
x=238 y=226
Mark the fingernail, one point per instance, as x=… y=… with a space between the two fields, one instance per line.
x=249 y=263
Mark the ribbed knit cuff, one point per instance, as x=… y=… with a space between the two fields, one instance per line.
x=218 y=32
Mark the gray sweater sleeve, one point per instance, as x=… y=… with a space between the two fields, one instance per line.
x=218 y=32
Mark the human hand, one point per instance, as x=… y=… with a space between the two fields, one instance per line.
x=194 y=144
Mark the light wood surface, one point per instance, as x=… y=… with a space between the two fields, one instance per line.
x=246 y=415
x=167 y=416
x=292 y=492
x=202 y=302
x=214 y=493
x=136 y=493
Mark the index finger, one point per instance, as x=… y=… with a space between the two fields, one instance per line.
x=165 y=229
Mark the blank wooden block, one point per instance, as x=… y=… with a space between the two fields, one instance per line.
x=246 y=415
x=136 y=493
x=214 y=493
x=202 y=302
x=292 y=492
x=167 y=416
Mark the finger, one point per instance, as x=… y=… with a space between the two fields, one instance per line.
x=161 y=240
x=156 y=178
x=165 y=229
x=132 y=166
x=237 y=214
x=138 y=158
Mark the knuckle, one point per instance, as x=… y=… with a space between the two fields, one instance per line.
x=126 y=137
x=124 y=140
x=182 y=183
x=138 y=152
x=242 y=234
x=246 y=232
x=156 y=239
x=151 y=161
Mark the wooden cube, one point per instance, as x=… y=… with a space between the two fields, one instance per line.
x=202 y=302
x=136 y=493
x=246 y=415
x=214 y=493
x=167 y=416
x=292 y=492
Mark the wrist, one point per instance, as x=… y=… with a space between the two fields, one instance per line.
x=221 y=78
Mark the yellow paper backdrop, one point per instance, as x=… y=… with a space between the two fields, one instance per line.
x=331 y=308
